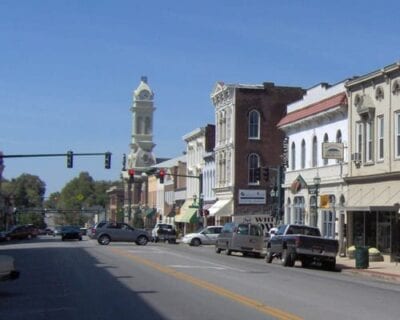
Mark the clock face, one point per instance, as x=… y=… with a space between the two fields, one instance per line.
x=144 y=94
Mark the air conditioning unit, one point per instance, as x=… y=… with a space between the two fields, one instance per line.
x=356 y=157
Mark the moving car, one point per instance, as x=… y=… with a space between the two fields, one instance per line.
x=246 y=238
x=208 y=235
x=71 y=232
x=116 y=231
x=164 y=232
x=22 y=232
x=7 y=268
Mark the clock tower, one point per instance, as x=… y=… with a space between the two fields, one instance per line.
x=141 y=155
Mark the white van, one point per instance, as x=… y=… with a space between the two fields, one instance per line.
x=246 y=238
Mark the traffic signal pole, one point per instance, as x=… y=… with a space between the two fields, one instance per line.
x=69 y=156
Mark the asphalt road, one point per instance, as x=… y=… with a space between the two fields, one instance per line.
x=83 y=280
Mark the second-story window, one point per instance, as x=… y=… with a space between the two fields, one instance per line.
x=253 y=164
x=303 y=154
x=254 y=125
x=369 y=135
x=380 y=138
x=315 y=152
x=326 y=139
x=293 y=156
x=338 y=140
x=397 y=133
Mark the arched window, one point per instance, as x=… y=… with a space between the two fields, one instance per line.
x=338 y=140
x=293 y=156
x=315 y=152
x=254 y=125
x=303 y=154
x=326 y=139
x=147 y=126
x=253 y=165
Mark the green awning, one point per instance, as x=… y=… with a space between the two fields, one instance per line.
x=189 y=215
x=150 y=212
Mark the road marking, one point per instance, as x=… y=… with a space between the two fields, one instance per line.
x=194 y=267
x=261 y=307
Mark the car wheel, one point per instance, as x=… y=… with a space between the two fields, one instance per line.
x=287 y=260
x=195 y=242
x=217 y=250
x=269 y=257
x=141 y=241
x=305 y=263
x=104 y=240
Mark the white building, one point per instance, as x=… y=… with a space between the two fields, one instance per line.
x=314 y=185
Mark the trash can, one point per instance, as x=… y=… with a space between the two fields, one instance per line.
x=362 y=258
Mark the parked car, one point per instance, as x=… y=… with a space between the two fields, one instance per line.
x=7 y=268
x=57 y=231
x=246 y=238
x=207 y=235
x=71 y=232
x=22 y=232
x=299 y=242
x=164 y=232
x=115 y=231
x=3 y=236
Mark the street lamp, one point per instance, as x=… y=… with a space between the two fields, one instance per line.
x=274 y=194
x=317 y=183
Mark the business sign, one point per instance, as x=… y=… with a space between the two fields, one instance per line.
x=250 y=196
x=332 y=150
x=265 y=221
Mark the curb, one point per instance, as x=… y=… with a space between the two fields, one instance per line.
x=365 y=272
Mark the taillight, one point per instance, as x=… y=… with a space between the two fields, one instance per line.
x=298 y=241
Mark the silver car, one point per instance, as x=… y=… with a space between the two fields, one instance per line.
x=121 y=232
x=207 y=235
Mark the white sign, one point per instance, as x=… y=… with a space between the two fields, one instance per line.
x=332 y=150
x=266 y=221
x=247 y=196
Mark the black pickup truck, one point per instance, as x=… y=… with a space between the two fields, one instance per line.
x=299 y=242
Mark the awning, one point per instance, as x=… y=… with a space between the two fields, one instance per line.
x=150 y=212
x=187 y=214
x=222 y=208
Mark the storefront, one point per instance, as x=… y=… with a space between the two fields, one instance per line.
x=375 y=227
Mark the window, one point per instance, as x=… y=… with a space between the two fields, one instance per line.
x=303 y=154
x=298 y=210
x=253 y=165
x=338 y=140
x=314 y=152
x=293 y=156
x=359 y=137
x=328 y=224
x=369 y=133
x=380 y=138
x=397 y=132
x=254 y=125
x=326 y=139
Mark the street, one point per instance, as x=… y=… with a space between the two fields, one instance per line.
x=83 y=280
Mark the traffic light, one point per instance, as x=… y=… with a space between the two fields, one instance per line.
x=257 y=174
x=70 y=159
x=131 y=173
x=107 y=160
x=266 y=173
x=161 y=175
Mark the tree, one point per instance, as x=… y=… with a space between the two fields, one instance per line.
x=27 y=191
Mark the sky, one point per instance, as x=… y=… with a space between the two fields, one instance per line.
x=68 y=69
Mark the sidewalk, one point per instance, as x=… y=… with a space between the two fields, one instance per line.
x=384 y=270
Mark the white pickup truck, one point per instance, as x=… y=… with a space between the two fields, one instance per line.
x=7 y=268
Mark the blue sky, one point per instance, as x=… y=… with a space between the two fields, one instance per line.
x=68 y=68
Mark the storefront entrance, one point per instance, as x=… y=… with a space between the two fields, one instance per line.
x=373 y=229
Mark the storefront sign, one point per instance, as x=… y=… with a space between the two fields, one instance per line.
x=247 y=196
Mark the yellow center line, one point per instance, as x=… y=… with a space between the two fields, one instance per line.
x=261 y=307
